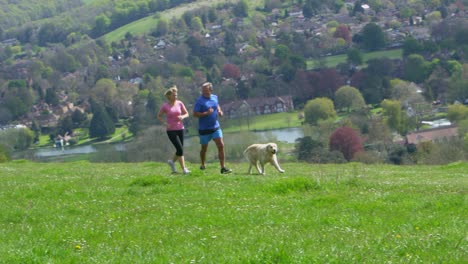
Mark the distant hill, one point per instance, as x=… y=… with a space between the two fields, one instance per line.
x=19 y=12
x=147 y=24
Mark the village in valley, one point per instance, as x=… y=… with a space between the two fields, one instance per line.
x=251 y=79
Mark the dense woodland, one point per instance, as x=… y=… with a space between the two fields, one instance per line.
x=58 y=74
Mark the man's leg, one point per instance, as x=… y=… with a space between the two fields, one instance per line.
x=204 y=148
x=220 y=145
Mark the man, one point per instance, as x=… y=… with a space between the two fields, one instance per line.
x=207 y=109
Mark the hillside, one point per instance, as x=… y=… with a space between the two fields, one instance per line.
x=147 y=24
x=140 y=213
x=16 y=13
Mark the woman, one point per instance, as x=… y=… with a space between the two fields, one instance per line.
x=175 y=112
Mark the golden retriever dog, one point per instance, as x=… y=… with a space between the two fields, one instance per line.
x=261 y=154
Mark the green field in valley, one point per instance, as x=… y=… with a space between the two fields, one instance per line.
x=332 y=61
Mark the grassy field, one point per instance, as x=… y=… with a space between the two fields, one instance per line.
x=82 y=212
x=263 y=122
x=332 y=61
x=148 y=24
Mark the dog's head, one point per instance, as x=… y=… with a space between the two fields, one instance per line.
x=272 y=148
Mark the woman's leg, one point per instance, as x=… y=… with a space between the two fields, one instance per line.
x=177 y=139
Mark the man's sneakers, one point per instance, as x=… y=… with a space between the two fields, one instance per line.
x=225 y=170
x=186 y=171
x=172 y=165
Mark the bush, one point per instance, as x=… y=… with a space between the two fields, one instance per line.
x=347 y=141
x=4 y=154
x=17 y=139
x=368 y=157
x=445 y=152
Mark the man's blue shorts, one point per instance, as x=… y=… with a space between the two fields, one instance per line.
x=204 y=139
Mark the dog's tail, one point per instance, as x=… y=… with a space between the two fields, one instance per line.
x=246 y=151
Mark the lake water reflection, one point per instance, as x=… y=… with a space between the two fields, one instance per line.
x=288 y=135
x=50 y=152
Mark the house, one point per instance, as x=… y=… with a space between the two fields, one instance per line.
x=160 y=45
x=10 y=42
x=258 y=106
x=438 y=134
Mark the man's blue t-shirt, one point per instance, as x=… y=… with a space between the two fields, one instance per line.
x=202 y=105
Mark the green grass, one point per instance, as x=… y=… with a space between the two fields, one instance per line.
x=332 y=61
x=81 y=212
x=262 y=122
x=147 y=24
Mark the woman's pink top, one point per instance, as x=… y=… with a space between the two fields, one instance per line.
x=172 y=113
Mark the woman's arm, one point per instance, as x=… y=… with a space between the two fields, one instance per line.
x=184 y=112
x=160 y=117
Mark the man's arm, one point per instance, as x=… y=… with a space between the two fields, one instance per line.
x=203 y=114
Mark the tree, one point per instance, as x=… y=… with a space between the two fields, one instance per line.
x=374 y=81
x=349 y=98
x=287 y=71
x=241 y=9
x=304 y=147
x=4 y=154
x=101 y=25
x=196 y=24
x=394 y=116
x=229 y=43
x=194 y=41
x=18 y=98
x=16 y=138
x=354 y=56
x=36 y=129
x=326 y=82
x=416 y=68
x=63 y=61
x=302 y=87
x=161 y=28
x=357 y=8
x=282 y=52
x=5 y=114
x=144 y=109
x=311 y=7
x=457 y=112
x=78 y=118
x=65 y=125
x=101 y=124
x=342 y=31
x=410 y=46
x=319 y=109
x=458 y=86
x=231 y=71
x=104 y=91
x=373 y=38
x=51 y=97
x=347 y=141
x=51 y=33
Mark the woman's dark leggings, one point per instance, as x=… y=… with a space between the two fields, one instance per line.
x=177 y=139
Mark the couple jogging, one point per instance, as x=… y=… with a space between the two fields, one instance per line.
x=207 y=110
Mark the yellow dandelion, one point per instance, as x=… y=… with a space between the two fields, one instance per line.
x=77 y=247
x=398 y=236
